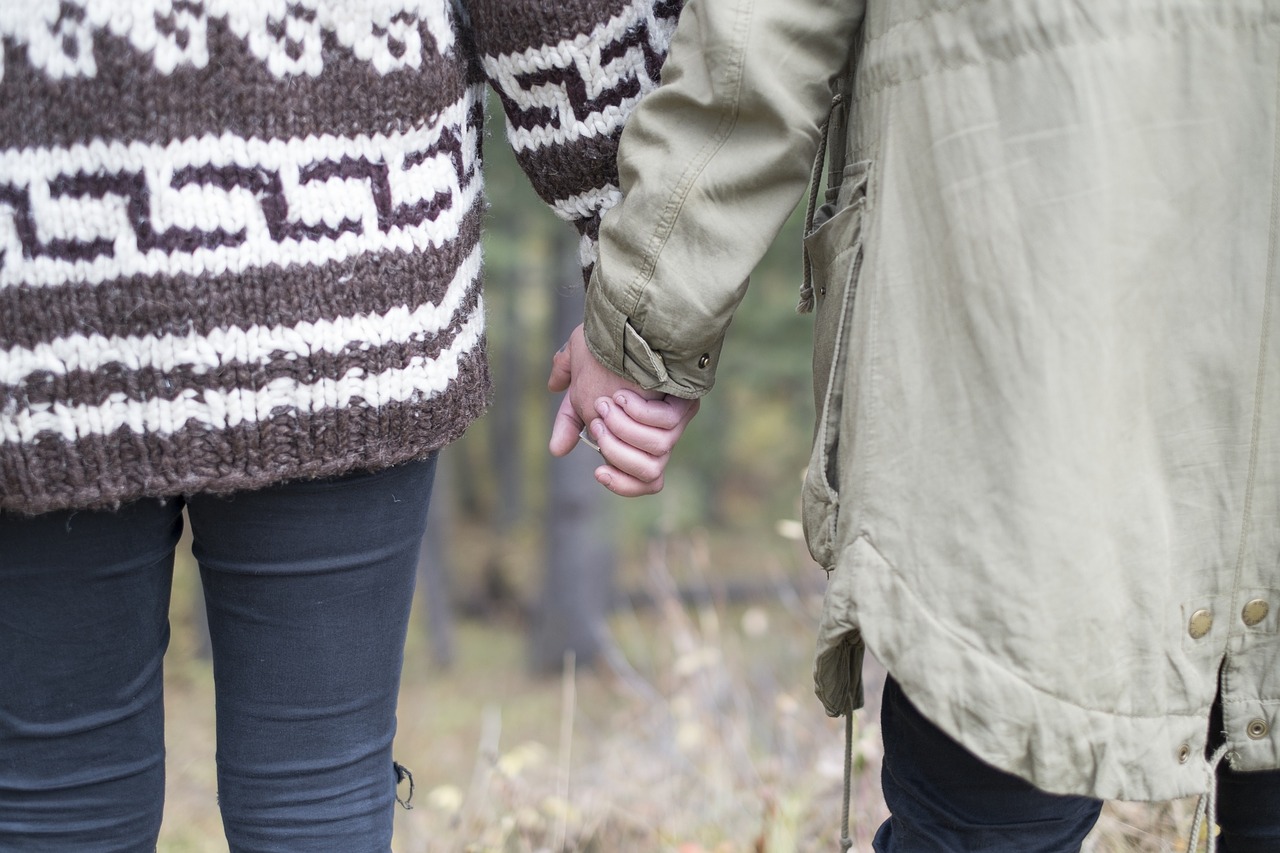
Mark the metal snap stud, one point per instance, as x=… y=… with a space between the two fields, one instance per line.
x=1255 y=611
x=705 y=360
x=1257 y=729
x=1184 y=753
x=1201 y=622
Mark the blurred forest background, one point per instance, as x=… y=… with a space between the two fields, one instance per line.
x=589 y=673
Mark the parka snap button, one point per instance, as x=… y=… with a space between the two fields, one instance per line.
x=1257 y=729
x=1255 y=611
x=704 y=361
x=1201 y=622
x=1184 y=753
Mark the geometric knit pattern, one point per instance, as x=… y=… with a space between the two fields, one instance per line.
x=239 y=239
x=563 y=100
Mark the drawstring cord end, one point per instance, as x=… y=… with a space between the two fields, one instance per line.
x=1207 y=808
x=846 y=843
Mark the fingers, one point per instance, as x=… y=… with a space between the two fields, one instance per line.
x=627 y=458
x=636 y=429
x=664 y=412
x=565 y=429
x=628 y=471
x=636 y=452
x=631 y=472
x=652 y=440
x=624 y=485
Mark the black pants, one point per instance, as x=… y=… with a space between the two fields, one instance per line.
x=944 y=798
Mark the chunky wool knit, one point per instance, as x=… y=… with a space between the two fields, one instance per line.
x=239 y=239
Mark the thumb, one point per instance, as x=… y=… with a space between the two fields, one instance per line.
x=566 y=429
x=561 y=371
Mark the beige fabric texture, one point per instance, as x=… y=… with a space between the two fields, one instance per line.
x=1050 y=440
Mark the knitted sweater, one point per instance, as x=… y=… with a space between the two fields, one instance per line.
x=239 y=239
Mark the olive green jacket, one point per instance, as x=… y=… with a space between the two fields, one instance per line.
x=1046 y=473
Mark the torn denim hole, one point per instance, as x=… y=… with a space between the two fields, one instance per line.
x=402 y=773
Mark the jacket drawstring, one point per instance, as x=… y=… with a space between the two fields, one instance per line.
x=846 y=843
x=1207 y=807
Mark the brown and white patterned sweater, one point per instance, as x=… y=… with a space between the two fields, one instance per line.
x=239 y=239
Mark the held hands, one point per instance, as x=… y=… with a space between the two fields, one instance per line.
x=635 y=429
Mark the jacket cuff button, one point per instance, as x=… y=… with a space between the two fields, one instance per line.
x=704 y=361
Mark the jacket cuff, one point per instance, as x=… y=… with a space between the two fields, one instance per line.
x=615 y=342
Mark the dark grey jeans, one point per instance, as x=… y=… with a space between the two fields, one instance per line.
x=307 y=587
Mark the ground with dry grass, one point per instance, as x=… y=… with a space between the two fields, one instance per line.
x=700 y=736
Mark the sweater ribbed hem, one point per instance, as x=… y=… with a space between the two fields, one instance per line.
x=102 y=472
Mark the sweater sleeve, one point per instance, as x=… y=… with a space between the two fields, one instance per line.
x=568 y=74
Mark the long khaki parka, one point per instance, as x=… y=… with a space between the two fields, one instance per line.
x=1046 y=474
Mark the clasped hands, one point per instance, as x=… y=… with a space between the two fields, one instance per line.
x=634 y=428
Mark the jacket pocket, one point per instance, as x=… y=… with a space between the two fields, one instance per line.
x=834 y=249
x=837 y=664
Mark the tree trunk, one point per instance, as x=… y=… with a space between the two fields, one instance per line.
x=507 y=421
x=509 y=381
x=581 y=563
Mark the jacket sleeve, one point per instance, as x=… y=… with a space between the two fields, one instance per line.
x=711 y=164
x=568 y=74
